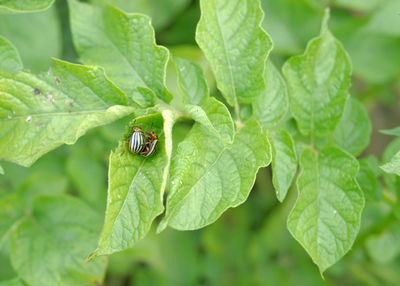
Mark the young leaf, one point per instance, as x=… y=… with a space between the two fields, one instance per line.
x=367 y=178
x=11 y=209
x=272 y=105
x=327 y=214
x=39 y=113
x=207 y=177
x=49 y=247
x=392 y=181
x=318 y=81
x=10 y=61
x=23 y=6
x=394 y=131
x=191 y=81
x=353 y=131
x=284 y=162
x=215 y=117
x=232 y=40
x=136 y=187
x=393 y=166
x=124 y=45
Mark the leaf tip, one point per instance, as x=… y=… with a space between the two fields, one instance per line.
x=162 y=226
x=325 y=20
x=92 y=256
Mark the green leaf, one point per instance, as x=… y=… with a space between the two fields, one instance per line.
x=124 y=45
x=392 y=181
x=1 y=170
x=215 y=117
x=10 y=62
x=37 y=36
x=327 y=214
x=232 y=40
x=191 y=81
x=11 y=209
x=136 y=187
x=39 y=113
x=272 y=105
x=393 y=166
x=367 y=178
x=207 y=177
x=384 y=247
x=318 y=81
x=353 y=131
x=394 y=131
x=23 y=6
x=49 y=247
x=284 y=162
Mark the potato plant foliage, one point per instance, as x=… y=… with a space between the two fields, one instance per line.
x=301 y=120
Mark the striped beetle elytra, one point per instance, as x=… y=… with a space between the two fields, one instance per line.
x=138 y=142
x=135 y=140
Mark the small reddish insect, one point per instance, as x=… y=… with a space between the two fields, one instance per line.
x=150 y=146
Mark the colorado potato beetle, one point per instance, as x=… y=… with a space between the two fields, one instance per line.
x=150 y=145
x=135 y=139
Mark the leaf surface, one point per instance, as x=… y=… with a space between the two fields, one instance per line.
x=393 y=166
x=60 y=230
x=207 y=177
x=23 y=6
x=284 y=162
x=39 y=113
x=394 y=131
x=232 y=40
x=215 y=117
x=136 y=187
x=10 y=61
x=11 y=209
x=272 y=105
x=191 y=81
x=124 y=45
x=367 y=178
x=318 y=81
x=354 y=129
x=327 y=214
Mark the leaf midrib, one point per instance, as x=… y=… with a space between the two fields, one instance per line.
x=233 y=88
x=54 y=114
x=177 y=206
x=129 y=191
x=122 y=56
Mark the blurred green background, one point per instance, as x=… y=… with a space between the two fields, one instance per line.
x=249 y=245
